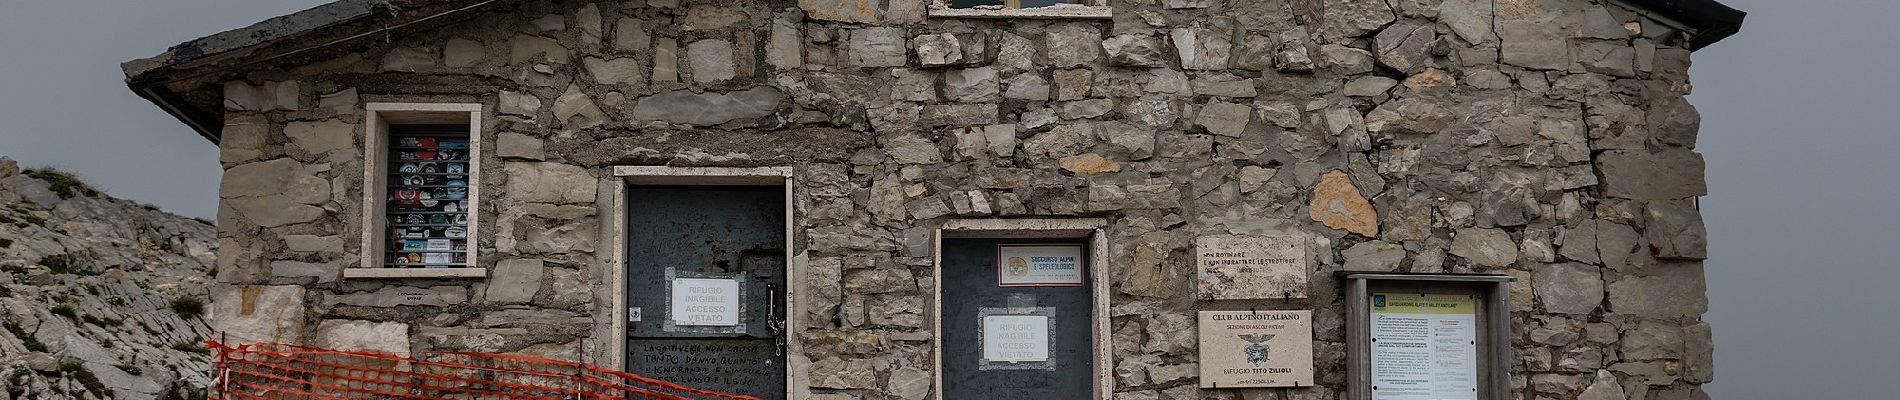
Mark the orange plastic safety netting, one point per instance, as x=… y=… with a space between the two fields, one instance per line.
x=283 y=371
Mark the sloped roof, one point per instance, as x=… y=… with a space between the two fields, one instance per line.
x=181 y=80
x=184 y=79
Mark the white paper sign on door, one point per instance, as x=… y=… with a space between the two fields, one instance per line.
x=1015 y=338
x=705 y=302
x=1424 y=347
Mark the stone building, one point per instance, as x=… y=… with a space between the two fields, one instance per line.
x=812 y=199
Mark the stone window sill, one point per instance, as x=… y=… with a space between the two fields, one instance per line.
x=1065 y=11
x=413 y=273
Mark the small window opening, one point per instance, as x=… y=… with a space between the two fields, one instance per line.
x=1011 y=4
x=427 y=202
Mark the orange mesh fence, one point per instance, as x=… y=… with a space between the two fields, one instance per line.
x=283 y=371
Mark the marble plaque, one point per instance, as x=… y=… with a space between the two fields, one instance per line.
x=1256 y=349
x=1246 y=267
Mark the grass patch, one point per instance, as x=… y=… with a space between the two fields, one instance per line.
x=16 y=372
x=66 y=310
x=65 y=184
x=186 y=393
x=63 y=264
x=101 y=321
x=78 y=371
x=6 y=243
x=34 y=219
x=129 y=368
x=191 y=347
x=188 y=307
x=25 y=339
x=5 y=291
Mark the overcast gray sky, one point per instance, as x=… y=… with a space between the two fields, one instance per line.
x=1798 y=130
x=1798 y=127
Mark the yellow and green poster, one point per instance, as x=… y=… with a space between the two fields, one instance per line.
x=1424 y=346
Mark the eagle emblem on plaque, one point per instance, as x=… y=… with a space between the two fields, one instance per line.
x=1017 y=267
x=1256 y=350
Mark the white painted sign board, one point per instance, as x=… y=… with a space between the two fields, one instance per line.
x=1039 y=265
x=705 y=302
x=1256 y=348
x=1424 y=347
x=1015 y=338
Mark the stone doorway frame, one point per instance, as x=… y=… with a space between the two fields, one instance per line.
x=1095 y=229
x=615 y=334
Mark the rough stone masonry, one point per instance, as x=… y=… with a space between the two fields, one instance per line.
x=1544 y=139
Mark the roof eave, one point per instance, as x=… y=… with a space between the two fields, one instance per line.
x=153 y=78
x=208 y=126
x=1710 y=20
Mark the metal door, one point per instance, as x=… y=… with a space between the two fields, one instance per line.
x=972 y=290
x=690 y=238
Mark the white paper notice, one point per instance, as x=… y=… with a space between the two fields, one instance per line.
x=705 y=302
x=1015 y=338
x=1030 y=265
x=1424 y=347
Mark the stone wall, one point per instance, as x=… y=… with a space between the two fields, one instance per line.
x=1548 y=140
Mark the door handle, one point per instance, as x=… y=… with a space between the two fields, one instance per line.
x=772 y=321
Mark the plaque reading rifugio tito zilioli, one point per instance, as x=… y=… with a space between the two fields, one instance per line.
x=1256 y=348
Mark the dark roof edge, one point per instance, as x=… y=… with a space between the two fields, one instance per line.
x=1711 y=20
x=148 y=77
x=262 y=32
x=152 y=78
x=205 y=124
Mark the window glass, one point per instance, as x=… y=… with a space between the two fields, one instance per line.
x=428 y=196
x=1008 y=3
x=974 y=3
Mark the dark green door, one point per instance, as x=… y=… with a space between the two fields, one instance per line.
x=705 y=287
x=975 y=299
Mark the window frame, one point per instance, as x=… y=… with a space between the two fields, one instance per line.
x=1090 y=9
x=376 y=123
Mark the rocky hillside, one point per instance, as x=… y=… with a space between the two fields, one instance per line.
x=100 y=298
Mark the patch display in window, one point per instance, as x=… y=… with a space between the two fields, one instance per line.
x=427 y=210
x=1008 y=4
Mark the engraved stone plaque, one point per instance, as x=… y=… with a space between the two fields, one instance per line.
x=1256 y=348
x=1246 y=267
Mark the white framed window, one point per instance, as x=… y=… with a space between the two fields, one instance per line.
x=1084 y=9
x=421 y=189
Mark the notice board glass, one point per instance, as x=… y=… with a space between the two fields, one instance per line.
x=1428 y=336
